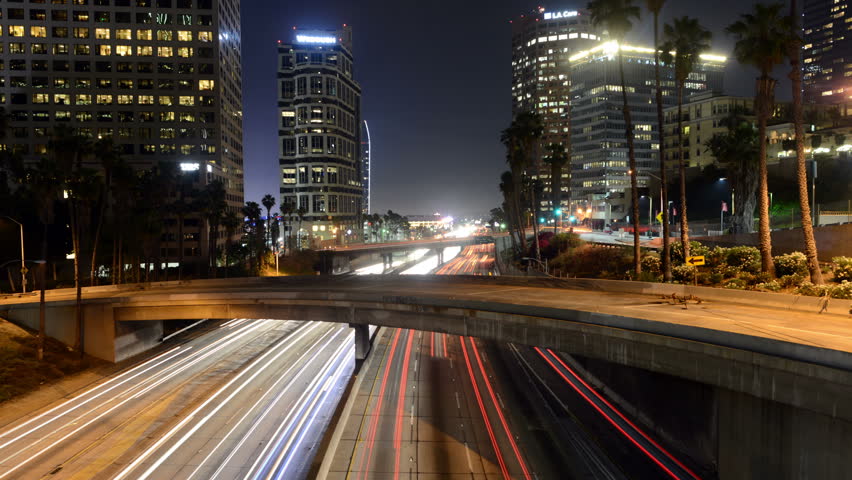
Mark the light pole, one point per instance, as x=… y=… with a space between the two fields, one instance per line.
x=23 y=265
x=661 y=194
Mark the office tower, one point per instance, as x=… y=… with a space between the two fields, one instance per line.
x=320 y=152
x=365 y=167
x=827 y=51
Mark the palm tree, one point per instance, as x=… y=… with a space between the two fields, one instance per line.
x=762 y=41
x=794 y=51
x=287 y=212
x=520 y=139
x=107 y=154
x=268 y=202
x=655 y=6
x=212 y=207
x=231 y=222
x=684 y=40
x=616 y=17
x=507 y=186
x=556 y=158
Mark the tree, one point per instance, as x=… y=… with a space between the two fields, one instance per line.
x=520 y=140
x=762 y=39
x=268 y=202
x=556 y=158
x=287 y=211
x=231 y=222
x=616 y=17
x=300 y=215
x=212 y=206
x=255 y=234
x=655 y=6
x=507 y=186
x=183 y=207
x=107 y=155
x=684 y=40
x=794 y=51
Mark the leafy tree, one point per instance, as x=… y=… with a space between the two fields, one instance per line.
x=268 y=202
x=616 y=16
x=212 y=206
x=232 y=222
x=520 y=140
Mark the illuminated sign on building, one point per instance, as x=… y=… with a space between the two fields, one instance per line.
x=315 y=39
x=558 y=15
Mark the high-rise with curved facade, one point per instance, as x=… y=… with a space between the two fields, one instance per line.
x=319 y=105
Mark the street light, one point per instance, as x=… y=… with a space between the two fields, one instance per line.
x=23 y=266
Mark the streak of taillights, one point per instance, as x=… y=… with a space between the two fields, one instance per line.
x=400 y=406
x=374 y=421
x=621 y=415
x=488 y=427
x=499 y=411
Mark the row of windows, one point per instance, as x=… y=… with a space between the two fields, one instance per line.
x=204 y=85
x=200 y=4
x=158 y=18
x=125 y=132
x=38 y=31
x=100 y=50
x=109 y=83
x=327 y=203
x=330 y=87
x=316 y=58
x=320 y=174
x=110 y=116
x=108 y=99
x=318 y=145
x=318 y=115
x=128 y=149
x=105 y=67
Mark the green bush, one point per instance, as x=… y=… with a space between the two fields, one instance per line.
x=791 y=264
x=695 y=249
x=560 y=243
x=842 y=269
x=744 y=257
x=811 y=290
x=728 y=271
x=717 y=256
x=735 y=284
x=788 y=281
x=713 y=278
x=844 y=290
x=684 y=273
x=593 y=261
x=651 y=263
x=771 y=286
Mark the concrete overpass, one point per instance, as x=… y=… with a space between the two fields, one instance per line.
x=780 y=372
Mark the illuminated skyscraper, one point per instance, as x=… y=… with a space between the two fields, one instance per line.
x=161 y=78
x=827 y=51
x=365 y=167
x=319 y=103
x=542 y=42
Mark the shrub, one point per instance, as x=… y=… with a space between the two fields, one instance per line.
x=695 y=249
x=728 y=271
x=791 y=264
x=788 y=281
x=735 y=284
x=556 y=244
x=651 y=263
x=842 y=269
x=844 y=290
x=771 y=286
x=593 y=261
x=684 y=273
x=811 y=290
x=716 y=257
x=713 y=278
x=744 y=257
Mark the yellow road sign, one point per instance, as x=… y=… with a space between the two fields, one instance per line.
x=696 y=260
x=660 y=217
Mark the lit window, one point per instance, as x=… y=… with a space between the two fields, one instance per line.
x=123 y=34
x=144 y=35
x=16 y=30
x=82 y=49
x=145 y=50
x=146 y=99
x=38 y=31
x=205 y=36
x=104 y=50
x=186 y=101
x=81 y=32
x=164 y=51
x=104 y=99
x=166 y=100
x=184 y=52
x=184 y=35
x=102 y=33
x=84 y=99
x=62 y=99
x=123 y=50
x=41 y=97
x=124 y=99
x=206 y=84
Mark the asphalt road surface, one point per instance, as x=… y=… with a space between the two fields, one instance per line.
x=250 y=399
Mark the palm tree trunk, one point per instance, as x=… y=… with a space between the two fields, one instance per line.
x=517 y=179
x=102 y=214
x=78 y=305
x=631 y=155
x=801 y=172
x=180 y=246
x=684 y=222
x=666 y=260
x=765 y=88
x=42 y=327
x=534 y=209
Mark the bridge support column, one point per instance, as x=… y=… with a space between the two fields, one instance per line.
x=362 y=340
x=440 y=252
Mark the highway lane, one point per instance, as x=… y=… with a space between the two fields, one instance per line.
x=250 y=399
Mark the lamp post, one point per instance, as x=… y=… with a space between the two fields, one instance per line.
x=23 y=265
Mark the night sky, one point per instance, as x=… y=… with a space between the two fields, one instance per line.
x=436 y=79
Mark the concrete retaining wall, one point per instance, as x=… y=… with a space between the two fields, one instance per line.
x=832 y=241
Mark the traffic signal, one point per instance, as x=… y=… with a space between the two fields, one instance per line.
x=558 y=211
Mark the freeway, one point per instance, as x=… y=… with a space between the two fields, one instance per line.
x=250 y=399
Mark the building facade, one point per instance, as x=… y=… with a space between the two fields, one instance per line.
x=162 y=78
x=542 y=43
x=827 y=51
x=319 y=105
x=600 y=182
x=365 y=167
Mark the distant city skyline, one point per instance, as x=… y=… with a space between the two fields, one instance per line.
x=435 y=114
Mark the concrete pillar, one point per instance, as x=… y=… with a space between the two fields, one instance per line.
x=362 y=340
x=440 y=252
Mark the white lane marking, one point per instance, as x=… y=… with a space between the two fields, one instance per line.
x=412 y=415
x=467 y=454
x=500 y=400
x=458 y=404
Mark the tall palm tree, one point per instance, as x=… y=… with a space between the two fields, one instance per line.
x=231 y=222
x=268 y=202
x=683 y=42
x=762 y=40
x=521 y=139
x=507 y=186
x=556 y=158
x=107 y=155
x=655 y=6
x=794 y=51
x=616 y=16
x=212 y=207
